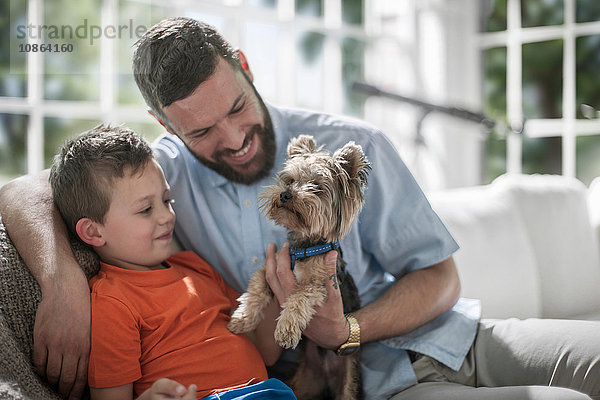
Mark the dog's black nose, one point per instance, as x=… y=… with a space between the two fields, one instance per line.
x=285 y=197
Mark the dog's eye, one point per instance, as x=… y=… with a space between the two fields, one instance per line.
x=286 y=180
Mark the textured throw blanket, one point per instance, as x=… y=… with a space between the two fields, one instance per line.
x=19 y=298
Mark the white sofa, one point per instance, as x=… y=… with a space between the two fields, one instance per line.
x=529 y=245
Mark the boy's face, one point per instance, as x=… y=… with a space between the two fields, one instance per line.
x=138 y=227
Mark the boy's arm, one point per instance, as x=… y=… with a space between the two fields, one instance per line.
x=161 y=389
x=62 y=324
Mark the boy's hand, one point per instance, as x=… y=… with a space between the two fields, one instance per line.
x=168 y=389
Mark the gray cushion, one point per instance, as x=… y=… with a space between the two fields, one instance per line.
x=19 y=297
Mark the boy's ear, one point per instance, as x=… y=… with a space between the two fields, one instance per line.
x=87 y=230
x=160 y=121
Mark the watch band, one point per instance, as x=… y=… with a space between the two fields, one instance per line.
x=351 y=345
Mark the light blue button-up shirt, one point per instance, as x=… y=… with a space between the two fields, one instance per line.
x=397 y=232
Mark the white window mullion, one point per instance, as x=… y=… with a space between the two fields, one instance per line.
x=332 y=58
x=568 y=105
x=514 y=97
x=108 y=60
x=35 y=92
x=332 y=67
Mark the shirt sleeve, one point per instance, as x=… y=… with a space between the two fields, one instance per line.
x=398 y=226
x=115 y=344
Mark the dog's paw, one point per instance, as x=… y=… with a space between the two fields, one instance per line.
x=237 y=325
x=287 y=334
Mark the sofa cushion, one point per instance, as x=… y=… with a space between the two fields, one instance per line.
x=496 y=262
x=19 y=298
x=593 y=202
x=554 y=209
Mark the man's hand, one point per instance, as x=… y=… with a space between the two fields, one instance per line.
x=328 y=328
x=61 y=336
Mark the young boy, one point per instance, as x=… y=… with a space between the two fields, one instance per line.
x=154 y=314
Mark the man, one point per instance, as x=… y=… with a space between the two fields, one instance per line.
x=225 y=145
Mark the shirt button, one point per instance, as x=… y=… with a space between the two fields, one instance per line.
x=255 y=260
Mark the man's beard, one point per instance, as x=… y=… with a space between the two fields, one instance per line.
x=265 y=155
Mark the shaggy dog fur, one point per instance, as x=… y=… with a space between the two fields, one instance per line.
x=317 y=197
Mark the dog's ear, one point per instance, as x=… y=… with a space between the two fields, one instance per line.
x=301 y=145
x=352 y=159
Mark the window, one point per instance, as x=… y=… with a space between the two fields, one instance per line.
x=541 y=59
x=303 y=53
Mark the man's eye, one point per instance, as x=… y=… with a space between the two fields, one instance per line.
x=199 y=134
x=146 y=210
x=238 y=108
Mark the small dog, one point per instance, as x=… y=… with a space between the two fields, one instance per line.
x=317 y=197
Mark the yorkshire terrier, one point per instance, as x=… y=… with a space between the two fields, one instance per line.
x=317 y=197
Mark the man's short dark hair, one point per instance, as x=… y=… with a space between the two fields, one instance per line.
x=83 y=172
x=174 y=57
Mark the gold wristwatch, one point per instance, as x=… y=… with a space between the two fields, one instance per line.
x=351 y=345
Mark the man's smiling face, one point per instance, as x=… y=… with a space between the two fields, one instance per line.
x=225 y=124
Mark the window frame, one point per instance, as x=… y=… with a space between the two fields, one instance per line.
x=568 y=127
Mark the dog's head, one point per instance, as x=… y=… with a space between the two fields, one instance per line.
x=317 y=195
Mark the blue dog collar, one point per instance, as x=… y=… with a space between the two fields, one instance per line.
x=312 y=251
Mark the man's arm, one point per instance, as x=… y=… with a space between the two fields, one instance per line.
x=62 y=324
x=415 y=299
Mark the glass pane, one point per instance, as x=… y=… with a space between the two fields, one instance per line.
x=542 y=79
x=57 y=130
x=494 y=95
x=352 y=11
x=72 y=75
x=542 y=12
x=13 y=67
x=542 y=155
x=140 y=17
x=588 y=65
x=587 y=10
x=259 y=48
x=588 y=162
x=309 y=70
x=493 y=15
x=148 y=130
x=353 y=68
x=494 y=163
x=494 y=84
x=309 y=8
x=262 y=3
x=13 y=146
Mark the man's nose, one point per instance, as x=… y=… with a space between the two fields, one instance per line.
x=231 y=136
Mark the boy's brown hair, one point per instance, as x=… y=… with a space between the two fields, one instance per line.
x=83 y=172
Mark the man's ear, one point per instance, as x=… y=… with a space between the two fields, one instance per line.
x=245 y=66
x=160 y=121
x=87 y=230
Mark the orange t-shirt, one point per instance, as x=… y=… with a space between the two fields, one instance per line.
x=169 y=323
